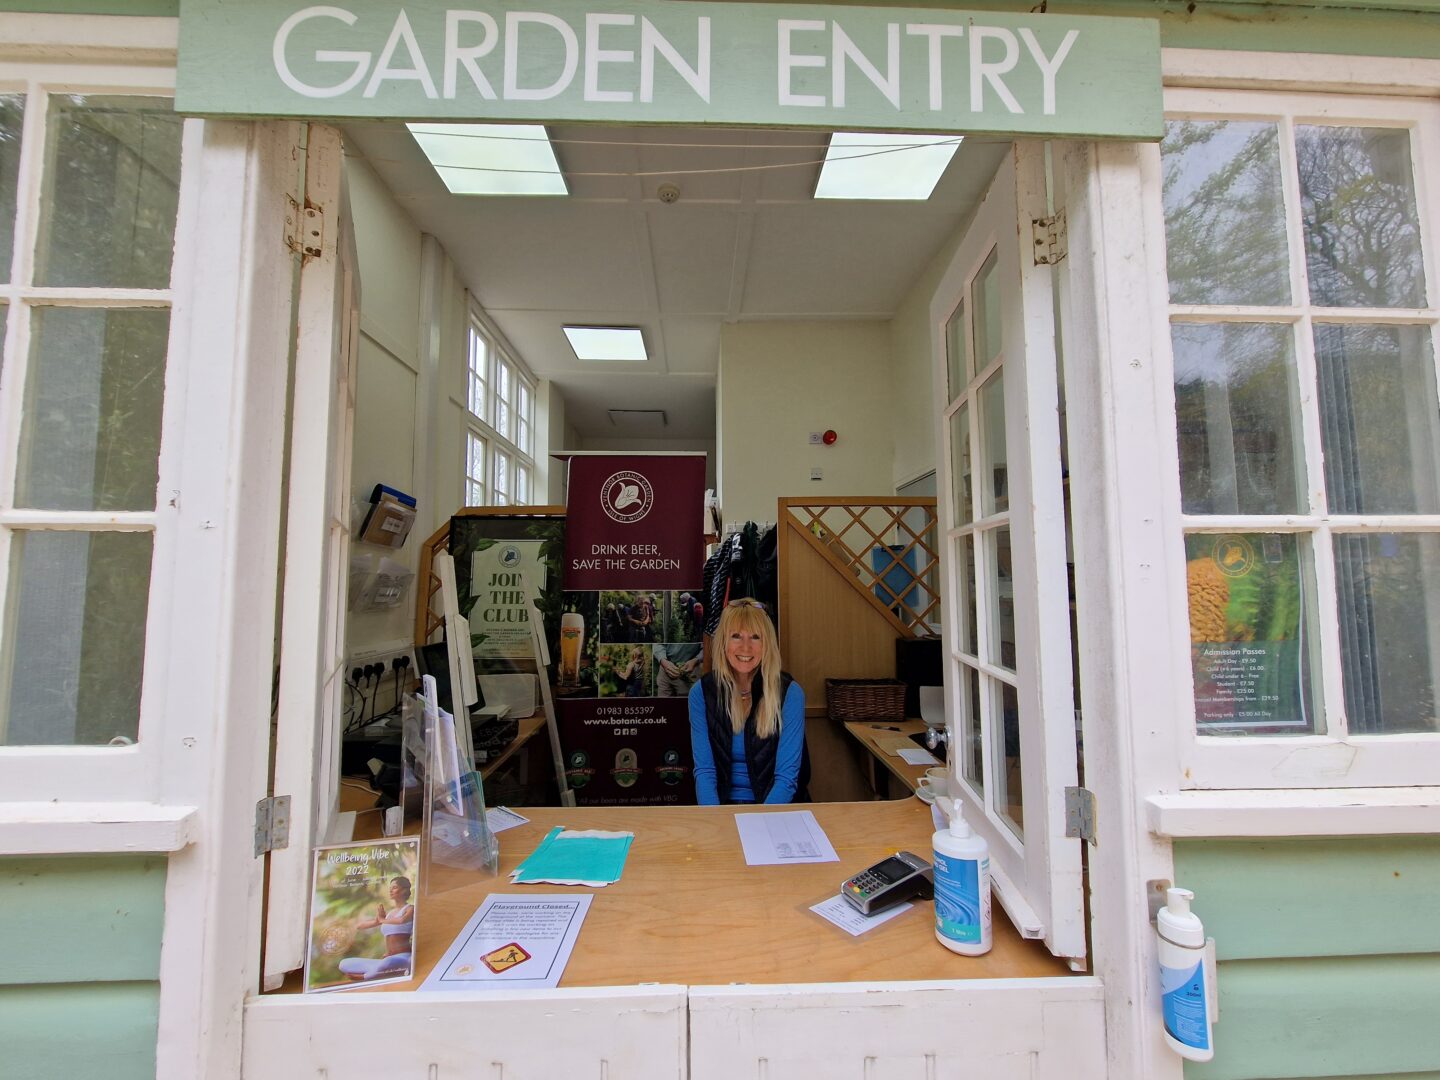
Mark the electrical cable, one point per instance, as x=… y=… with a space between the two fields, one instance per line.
x=809 y=163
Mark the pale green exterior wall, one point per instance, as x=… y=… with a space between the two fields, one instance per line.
x=1354 y=27
x=80 y=966
x=1329 y=955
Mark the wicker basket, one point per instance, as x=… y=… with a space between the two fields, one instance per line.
x=865 y=699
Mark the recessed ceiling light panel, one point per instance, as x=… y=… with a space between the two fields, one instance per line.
x=607 y=342
x=491 y=159
x=871 y=165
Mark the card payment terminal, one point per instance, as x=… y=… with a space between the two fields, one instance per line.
x=903 y=876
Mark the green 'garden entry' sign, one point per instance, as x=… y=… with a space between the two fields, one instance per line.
x=664 y=61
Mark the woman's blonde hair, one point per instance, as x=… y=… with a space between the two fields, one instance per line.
x=748 y=616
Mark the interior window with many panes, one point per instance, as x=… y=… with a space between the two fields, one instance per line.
x=499 y=440
x=88 y=197
x=1303 y=331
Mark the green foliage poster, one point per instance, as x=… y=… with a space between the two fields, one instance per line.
x=1247 y=631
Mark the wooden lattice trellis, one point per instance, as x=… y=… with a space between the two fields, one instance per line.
x=888 y=548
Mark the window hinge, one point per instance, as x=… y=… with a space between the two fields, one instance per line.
x=304 y=229
x=272 y=824
x=1080 y=815
x=1051 y=242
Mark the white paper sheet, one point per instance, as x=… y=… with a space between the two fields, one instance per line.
x=777 y=839
x=501 y=818
x=528 y=938
x=838 y=911
x=917 y=757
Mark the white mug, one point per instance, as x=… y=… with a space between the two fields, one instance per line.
x=936 y=781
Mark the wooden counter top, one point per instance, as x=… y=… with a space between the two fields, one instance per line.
x=875 y=736
x=689 y=910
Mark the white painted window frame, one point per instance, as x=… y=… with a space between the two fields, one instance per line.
x=126 y=56
x=499 y=357
x=1038 y=878
x=477 y=453
x=1334 y=759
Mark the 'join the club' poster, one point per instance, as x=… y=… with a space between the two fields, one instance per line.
x=630 y=629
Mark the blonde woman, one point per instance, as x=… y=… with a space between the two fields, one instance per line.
x=747 y=717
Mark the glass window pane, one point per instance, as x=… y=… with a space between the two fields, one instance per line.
x=1009 y=791
x=502 y=381
x=12 y=118
x=1389 y=586
x=501 y=477
x=1235 y=412
x=474 y=470
x=77 y=610
x=90 y=439
x=985 y=295
x=1362 y=231
x=111 y=187
x=479 y=357
x=522 y=485
x=502 y=418
x=1001 y=599
x=1380 y=421
x=963 y=508
x=1224 y=213
x=994 y=476
x=957 y=357
x=966 y=628
x=1252 y=633
x=971 y=751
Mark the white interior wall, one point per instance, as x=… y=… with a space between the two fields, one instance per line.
x=386 y=406
x=552 y=435
x=781 y=381
x=913 y=407
x=394 y=401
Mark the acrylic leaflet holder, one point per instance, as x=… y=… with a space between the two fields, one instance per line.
x=459 y=846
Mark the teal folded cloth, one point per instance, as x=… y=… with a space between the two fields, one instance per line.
x=576 y=857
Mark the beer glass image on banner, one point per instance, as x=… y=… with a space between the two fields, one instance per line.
x=579 y=645
x=625 y=671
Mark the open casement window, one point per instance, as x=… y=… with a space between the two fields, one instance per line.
x=309 y=708
x=90 y=426
x=1008 y=678
x=1302 y=267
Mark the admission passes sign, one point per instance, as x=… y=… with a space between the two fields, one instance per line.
x=662 y=61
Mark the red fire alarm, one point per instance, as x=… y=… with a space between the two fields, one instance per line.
x=829 y=437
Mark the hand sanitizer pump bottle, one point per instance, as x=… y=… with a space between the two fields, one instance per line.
x=1184 y=996
x=962 y=884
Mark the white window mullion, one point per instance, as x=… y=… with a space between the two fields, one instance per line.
x=29 y=180
x=1328 y=620
x=12 y=401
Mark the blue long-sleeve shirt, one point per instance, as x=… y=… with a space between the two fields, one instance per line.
x=787 y=754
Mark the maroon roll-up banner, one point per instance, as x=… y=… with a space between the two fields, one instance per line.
x=630 y=632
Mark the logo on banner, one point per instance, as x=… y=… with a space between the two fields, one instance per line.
x=627 y=497
x=510 y=556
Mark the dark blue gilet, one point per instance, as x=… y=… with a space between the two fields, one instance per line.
x=759 y=753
